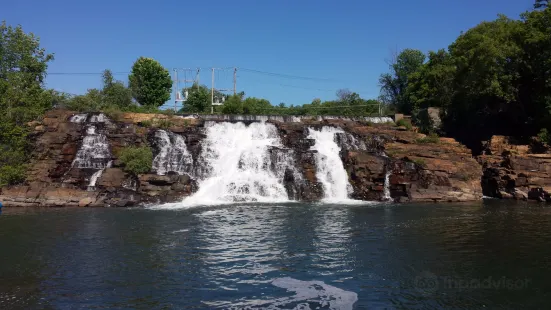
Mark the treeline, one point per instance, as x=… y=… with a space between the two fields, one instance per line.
x=494 y=79
x=347 y=103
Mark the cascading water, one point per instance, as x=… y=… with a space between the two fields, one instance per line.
x=386 y=192
x=330 y=169
x=94 y=152
x=173 y=154
x=237 y=165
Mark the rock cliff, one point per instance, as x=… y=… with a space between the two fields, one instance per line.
x=382 y=162
x=513 y=170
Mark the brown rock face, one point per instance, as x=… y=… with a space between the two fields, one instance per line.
x=381 y=162
x=515 y=172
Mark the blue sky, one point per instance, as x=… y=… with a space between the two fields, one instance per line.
x=345 y=41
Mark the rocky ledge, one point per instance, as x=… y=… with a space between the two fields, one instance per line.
x=513 y=170
x=414 y=167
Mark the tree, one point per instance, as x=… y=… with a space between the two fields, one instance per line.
x=115 y=93
x=254 y=105
x=541 y=4
x=150 y=82
x=487 y=59
x=394 y=84
x=233 y=105
x=23 y=65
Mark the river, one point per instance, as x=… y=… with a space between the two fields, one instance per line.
x=488 y=255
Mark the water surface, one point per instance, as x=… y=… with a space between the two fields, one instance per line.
x=301 y=256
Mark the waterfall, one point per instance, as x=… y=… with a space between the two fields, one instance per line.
x=94 y=152
x=94 y=178
x=236 y=165
x=330 y=169
x=387 y=186
x=78 y=118
x=173 y=154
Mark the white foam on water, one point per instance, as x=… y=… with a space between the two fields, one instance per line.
x=316 y=291
x=307 y=294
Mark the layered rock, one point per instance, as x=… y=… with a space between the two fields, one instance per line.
x=52 y=180
x=513 y=171
x=382 y=162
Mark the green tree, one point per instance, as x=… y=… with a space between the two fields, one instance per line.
x=394 y=84
x=23 y=65
x=150 y=82
x=486 y=82
x=198 y=99
x=542 y=4
x=115 y=93
x=233 y=105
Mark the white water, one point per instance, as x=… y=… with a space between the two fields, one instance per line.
x=94 y=152
x=173 y=154
x=330 y=169
x=387 y=186
x=78 y=118
x=237 y=164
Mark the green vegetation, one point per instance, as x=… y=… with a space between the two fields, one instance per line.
x=137 y=160
x=494 y=79
x=23 y=98
x=431 y=138
x=544 y=136
x=404 y=123
x=150 y=82
x=347 y=103
x=419 y=162
x=164 y=123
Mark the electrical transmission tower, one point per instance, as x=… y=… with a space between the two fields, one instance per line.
x=220 y=100
x=189 y=77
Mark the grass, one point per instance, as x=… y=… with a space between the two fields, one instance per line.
x=420 y=162
x=404 y=123
x=431 y=138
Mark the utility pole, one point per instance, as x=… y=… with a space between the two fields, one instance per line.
x=234 y=81
x=176 y=90
x=212 y=94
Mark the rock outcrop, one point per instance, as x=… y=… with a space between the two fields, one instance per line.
x=515 y=171
x=382 y=162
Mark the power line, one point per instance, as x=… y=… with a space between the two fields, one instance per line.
x=288 y=76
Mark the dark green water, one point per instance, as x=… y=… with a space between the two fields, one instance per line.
x=452 y=256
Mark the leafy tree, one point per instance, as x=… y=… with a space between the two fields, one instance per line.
x=541 y=4
x=254 y=105
x=23 y=65
x=198 y=99
x=233 y=105
x=115 y=93
x=150 y=82
x=394 y=84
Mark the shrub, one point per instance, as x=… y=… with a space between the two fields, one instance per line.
x=419 y=162
x=404 y=123
x=432 y=138
x=544 y=136
x=164 y=123
x=137 y=160
x=10 y=175
x=146 y=123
